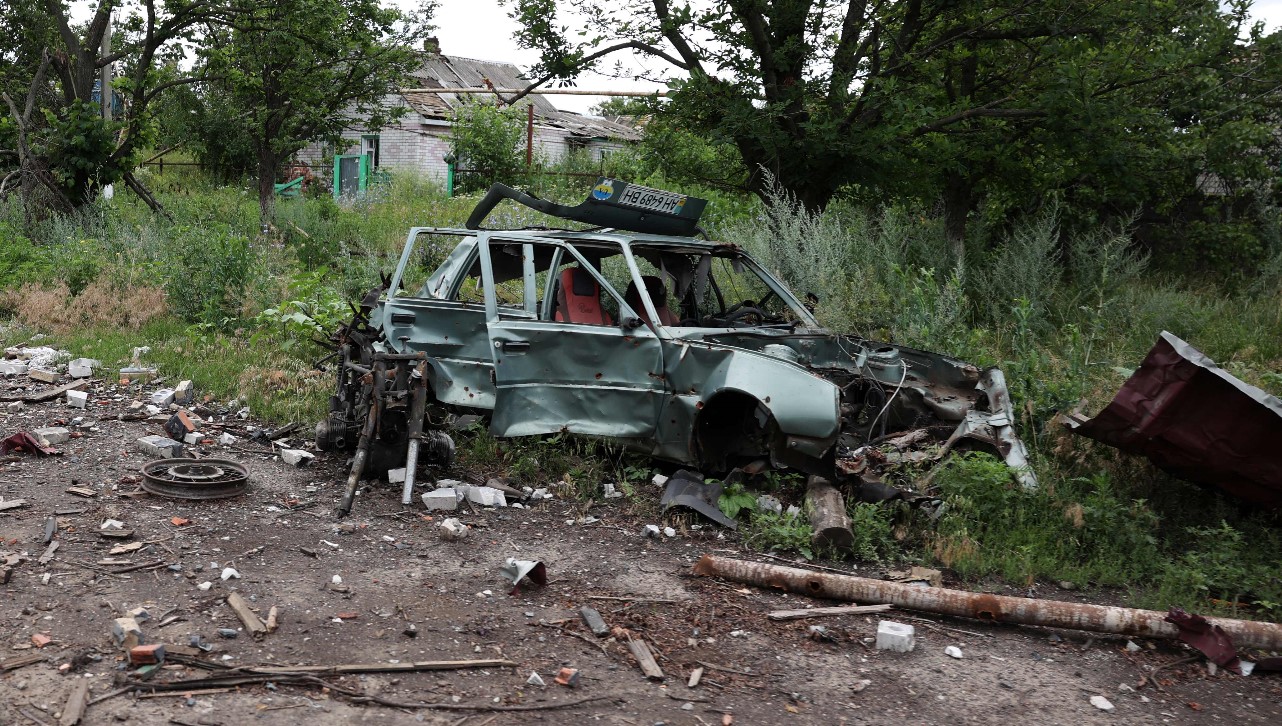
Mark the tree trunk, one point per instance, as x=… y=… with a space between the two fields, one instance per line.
x=958 y=199
x=267 y=163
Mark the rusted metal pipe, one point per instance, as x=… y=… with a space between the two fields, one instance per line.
x=418 y=409
x=367 y=435
x=983 y=606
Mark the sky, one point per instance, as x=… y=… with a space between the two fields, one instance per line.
x=481 y=29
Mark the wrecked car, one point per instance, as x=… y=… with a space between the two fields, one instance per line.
x=637 y=331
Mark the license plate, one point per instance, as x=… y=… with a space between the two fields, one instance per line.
x=653 y=200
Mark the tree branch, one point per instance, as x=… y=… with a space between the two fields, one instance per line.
x=634 y=44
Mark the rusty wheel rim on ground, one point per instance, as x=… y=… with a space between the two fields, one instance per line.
x=195 y=478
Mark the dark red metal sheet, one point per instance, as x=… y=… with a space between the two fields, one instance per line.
x=1199 y=423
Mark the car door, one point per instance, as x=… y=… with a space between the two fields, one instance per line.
x=551 y=375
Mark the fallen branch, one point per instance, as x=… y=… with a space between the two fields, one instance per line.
x=826 y=612
x=982 y=606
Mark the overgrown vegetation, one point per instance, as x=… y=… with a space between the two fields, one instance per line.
x=236 y=310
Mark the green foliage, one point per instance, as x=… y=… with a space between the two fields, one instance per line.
x=779 y=532
x=488 y=142
x=873 y=527
x=314 y=311
x=210 y=274
x=735 y=499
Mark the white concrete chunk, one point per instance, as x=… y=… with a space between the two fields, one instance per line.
x=13 y=367
x=898 y=637
x=82 y=367
x=77 y=399
x=193 y=438
x=160 y=446
x=226 y=439
x=184 y=392
x=296 y=457
x=51 y=436
x=441 y=500
x=486 y=497
x=396 y=476
x=163 y=397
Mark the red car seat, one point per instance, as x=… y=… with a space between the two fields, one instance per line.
x=578 y=299
x=658 y=295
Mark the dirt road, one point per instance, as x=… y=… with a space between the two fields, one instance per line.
x=396 y=572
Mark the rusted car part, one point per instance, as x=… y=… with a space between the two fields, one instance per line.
x=1198 y=422
x=983 y=606
x=194 y=478
x=368 y=410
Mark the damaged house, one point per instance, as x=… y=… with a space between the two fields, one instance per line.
x=419 y=141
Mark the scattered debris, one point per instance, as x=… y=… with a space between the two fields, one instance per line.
x=147 y=654
x=40 y=640
x=687 y=489
x=696 y=675
x=156 y=445
x=641 y=652
x=1102 y=703
x=296 y=457
x=25 y=443
x=953 y=651
x=252 y=623
x=897 y=637
x=594 y=621
x=568 y=677
x=535 y=680
x=7 y=504
x=126 y=633
x=76 y=704
x=921 y=576
x=452 y=530
x=445 y=499
x=519 y=570
x=77 y=399
x=827 y=612
x=1207 y=637
x=46 y=395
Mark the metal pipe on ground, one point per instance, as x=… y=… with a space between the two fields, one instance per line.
x=983 y=606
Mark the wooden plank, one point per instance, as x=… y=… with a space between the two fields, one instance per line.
x=20 y=661
x=125 y=549
x=430 y=665
x=12 y=504
x=49 y=394
x=48 y=555
x=649 y=667
x=695 y=676
x=240 y=606
x=826 y=612
x=76 y=703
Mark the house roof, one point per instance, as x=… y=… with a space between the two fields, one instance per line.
x=441 y=71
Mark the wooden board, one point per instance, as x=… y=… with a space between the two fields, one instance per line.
x=649 y=666
x=826 y=612
x=50 y=394
x=240 y=606
x=76 y=703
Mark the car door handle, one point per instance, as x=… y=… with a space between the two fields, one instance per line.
x=514 y=346
x=403 y=318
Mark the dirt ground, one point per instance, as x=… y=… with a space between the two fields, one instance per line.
x=395 y=570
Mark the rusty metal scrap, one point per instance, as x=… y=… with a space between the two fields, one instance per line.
x=983 y=606
x=1197 y=422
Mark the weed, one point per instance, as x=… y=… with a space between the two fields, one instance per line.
x=779 y=532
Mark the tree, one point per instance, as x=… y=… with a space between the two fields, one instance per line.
x=56 y=136
x=487 y=141
x=932 y=99
x=298 y=71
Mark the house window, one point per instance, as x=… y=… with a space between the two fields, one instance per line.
x=369 y=145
